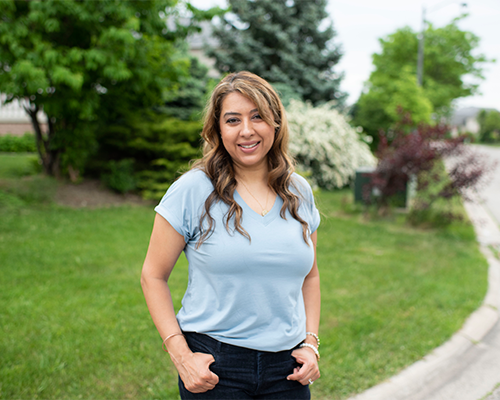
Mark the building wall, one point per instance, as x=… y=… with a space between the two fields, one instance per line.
x=16 y=129
x=471 y=125
x=14 y=119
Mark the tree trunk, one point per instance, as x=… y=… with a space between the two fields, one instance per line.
x=50 y=158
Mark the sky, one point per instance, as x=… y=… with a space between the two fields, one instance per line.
x=360 y=23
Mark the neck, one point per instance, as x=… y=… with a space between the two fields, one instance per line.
x=252 y=175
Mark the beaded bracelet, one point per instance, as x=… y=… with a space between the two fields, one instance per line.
x=310 y=346
x=164 y=346
x=314 y=336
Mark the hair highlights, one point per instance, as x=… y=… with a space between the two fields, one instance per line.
x=217 y=163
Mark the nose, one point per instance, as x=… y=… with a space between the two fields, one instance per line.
x=246 y=128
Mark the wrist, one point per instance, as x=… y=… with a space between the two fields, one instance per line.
x=177 y=348
x=312 y=348
x=312 y=338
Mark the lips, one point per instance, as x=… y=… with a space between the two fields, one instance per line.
x=248 y=145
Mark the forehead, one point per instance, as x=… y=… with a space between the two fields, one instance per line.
x=237 y=102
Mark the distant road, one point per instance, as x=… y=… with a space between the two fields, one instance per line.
x=491 y=193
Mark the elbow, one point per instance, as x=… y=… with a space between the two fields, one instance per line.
x=144 y=280
x=149 y=279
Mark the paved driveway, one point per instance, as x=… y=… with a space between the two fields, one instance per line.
x=491 y=196
x=491 y=193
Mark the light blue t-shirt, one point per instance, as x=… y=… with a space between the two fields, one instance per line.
x=241 y=292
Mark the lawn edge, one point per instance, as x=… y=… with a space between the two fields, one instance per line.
x=445 y=358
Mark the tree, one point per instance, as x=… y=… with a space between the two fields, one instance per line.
x=489 y=122
x=448 y=58
x=387 y=99
x=286 y=42
x=73 y=59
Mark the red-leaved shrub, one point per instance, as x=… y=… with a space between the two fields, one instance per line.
x=415 y=151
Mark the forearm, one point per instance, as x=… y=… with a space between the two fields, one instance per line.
x=308 y=372
x=161 y=308
x=312 y=303
x=312 y=297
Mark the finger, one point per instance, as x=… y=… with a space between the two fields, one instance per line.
x=199 y=387
x=295 y=376
x=213 y=378
x=303 y=374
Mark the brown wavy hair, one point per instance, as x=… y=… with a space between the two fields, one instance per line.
x=218 y=165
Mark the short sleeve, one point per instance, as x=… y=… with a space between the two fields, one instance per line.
x=182 y=205
x=308 y=207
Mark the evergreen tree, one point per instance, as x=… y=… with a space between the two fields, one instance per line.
x=284 y=41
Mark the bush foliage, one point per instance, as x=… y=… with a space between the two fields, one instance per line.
x=420 y=152
x=489 y=122
x=325 y=146
x=18 y=144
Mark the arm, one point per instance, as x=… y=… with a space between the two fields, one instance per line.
x=312 y=302
x=165 y=247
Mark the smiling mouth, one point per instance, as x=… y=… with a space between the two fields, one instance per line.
x=251 y=146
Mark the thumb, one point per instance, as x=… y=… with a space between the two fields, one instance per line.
x=213 y=377
x=294 y=376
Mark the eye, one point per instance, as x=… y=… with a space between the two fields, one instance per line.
x=232 y=121
x=257 y=116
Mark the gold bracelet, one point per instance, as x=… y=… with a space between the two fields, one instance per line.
x=164 y=346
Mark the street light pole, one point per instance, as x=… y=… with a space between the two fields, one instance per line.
x=421 y=39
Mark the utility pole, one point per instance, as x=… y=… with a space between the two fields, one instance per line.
x=421 y=39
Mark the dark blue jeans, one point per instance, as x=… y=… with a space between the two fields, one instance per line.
x=245 y=373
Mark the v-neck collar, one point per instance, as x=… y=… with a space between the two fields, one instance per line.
x=249 y=212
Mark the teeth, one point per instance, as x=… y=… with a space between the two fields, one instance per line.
x=249 y=147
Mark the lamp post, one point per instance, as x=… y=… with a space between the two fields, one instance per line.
x=421 y=38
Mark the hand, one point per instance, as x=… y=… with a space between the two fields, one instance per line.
x=309 y=369
x=195 y=373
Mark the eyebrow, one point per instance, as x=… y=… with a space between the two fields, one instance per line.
x=235 y=113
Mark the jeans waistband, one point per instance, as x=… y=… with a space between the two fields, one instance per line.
x=221 y=346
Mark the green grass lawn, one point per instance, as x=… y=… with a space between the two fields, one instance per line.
x=15 y=165
x=75 y=325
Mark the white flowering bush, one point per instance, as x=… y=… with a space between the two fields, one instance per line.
x=326 y=147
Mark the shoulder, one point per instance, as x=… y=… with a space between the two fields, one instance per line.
x=194 y=180
x=191 y=188
x=183 y=202
x=301 y=186
x=307 y=207
x=194 y=177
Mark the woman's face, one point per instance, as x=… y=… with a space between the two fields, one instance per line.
x=245 y=135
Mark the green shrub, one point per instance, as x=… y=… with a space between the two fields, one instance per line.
x=120 y=176
x=489 y=122
x=18 y=144
x=325 y=145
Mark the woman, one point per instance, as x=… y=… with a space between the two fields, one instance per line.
x=247 y=224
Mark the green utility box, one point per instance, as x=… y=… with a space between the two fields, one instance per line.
x=362 y=183
x=364 y=193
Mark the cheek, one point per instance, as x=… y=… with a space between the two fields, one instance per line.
x=226 y=142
